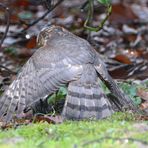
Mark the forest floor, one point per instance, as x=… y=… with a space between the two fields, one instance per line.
x=121 y=130
x=122 y=43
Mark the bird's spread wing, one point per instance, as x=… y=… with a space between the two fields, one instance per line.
x=59 y=61
x=34 y=83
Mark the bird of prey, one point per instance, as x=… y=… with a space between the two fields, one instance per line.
x=63 y=58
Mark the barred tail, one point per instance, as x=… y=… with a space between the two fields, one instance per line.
x=86 y=100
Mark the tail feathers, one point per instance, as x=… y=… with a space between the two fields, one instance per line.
x=86 y=102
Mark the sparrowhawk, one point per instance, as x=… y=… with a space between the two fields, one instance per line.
x=63 y=58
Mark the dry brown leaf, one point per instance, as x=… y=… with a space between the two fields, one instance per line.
x=143 y=93
x=142 y=117
x=144 y=106
x=123 y=59
x=31 y=43
x=22 y=3
x=49 y=119
x=121 y=14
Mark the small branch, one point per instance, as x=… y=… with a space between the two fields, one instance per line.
x=7 y=69
x=7 y=14
x=84 y=5
x=89 y=17
x=43 y=16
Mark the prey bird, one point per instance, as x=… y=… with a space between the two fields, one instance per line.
x=64 y=58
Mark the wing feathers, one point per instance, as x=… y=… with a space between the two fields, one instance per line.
x=34 y=85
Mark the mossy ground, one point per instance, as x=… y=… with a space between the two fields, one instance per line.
x=78 y=134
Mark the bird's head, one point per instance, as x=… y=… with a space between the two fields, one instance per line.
x=48 y=33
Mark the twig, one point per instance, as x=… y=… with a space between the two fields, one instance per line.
x=89 y=17
x=48 y=4
x=84 y=5
x=116 y=139
x=10 y=71
x=7 y=14
x=43 y=16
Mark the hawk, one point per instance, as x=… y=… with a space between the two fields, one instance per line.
x=63 y=58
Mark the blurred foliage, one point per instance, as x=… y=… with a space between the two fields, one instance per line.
x=131 y=90
x=11 y=50
x=61 y=94
x=90 y=15
x=105 y=2
x=25 y=15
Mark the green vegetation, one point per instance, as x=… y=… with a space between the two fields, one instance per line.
x=119 y=131
x=105 y=2
x=78 y=134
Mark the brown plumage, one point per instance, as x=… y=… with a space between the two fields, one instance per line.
x=63 y=58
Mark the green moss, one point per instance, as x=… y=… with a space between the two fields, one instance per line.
x=75 y=134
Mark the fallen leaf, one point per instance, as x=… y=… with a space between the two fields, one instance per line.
x=144 y=106
x=121 y=13
x=22 y=3
x=130 y=37
x=31 y=43
x=49 y=119
x=142 y=117
x=123 y=59
x=143 y=93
